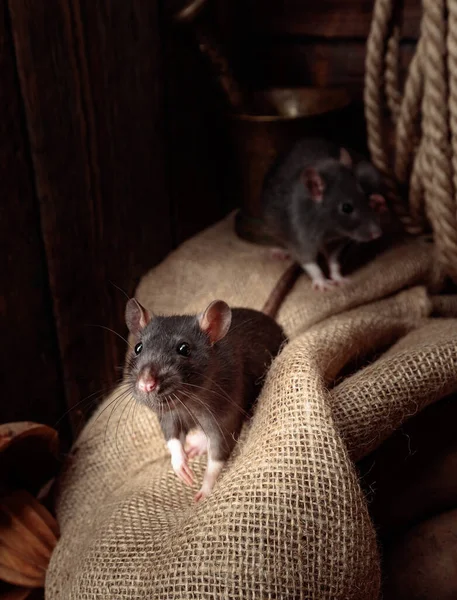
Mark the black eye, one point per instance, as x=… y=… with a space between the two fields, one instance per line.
x=183 y=349
x=347 y=208
x=138 y=348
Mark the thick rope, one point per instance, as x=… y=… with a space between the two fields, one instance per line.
x=425 y=121
x=392 y=76
x=440 y=197
x=408 y=130
x=377 y=44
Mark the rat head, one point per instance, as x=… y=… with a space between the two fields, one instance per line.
x=346 y=196
x=172 y=355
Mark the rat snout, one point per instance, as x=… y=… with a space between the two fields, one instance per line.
x=375 y=231
x=147 y=384
x=147 y=381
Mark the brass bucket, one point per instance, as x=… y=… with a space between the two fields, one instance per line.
x=280 y=118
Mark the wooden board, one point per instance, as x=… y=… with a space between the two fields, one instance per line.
x=321 y=64
x=196 y=139
x=90 y=80
x=31 y=382
x=326 y=18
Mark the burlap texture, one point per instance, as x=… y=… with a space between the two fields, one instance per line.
x=287 y=519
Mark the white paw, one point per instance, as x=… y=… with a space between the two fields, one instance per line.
x=340 y=280
x=280 y=253
x=201 y=495
x=182 y=469
x=322 y=285
x=196 y=443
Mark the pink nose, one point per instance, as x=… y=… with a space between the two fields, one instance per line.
x=147 y=384
x=375 y=233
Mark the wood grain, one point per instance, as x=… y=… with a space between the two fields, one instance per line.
x=196 y=139
x=31 y=382
x=321 y=64
x=90 y=82
x=326 y=18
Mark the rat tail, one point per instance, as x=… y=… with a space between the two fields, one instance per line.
x=283 y=286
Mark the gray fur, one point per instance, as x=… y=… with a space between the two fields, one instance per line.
x=304 y=226
x=228 y=374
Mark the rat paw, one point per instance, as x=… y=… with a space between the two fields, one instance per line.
x=322 y=285
x=340 y=280
x=279 y=253
x=196 y=444
x=183 y=471
x=203 y=493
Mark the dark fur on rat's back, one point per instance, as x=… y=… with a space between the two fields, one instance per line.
x=303 y=225
x=216 y=385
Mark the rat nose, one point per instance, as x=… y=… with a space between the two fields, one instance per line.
x=147 y=383
x=375 y=232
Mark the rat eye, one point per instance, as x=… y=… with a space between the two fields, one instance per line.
x=183 y=349
x=347 y=208
x=138 y=348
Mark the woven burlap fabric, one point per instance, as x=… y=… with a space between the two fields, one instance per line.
x=287 y=518
x=216 y=263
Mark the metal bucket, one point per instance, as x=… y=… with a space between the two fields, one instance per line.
x=279 y=118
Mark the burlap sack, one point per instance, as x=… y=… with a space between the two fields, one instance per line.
x=287 y=518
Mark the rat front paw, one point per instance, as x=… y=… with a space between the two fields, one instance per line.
x=322 y=285
x=203 y=492
x=196 y=443
x=200 y=495
x=279 y=253
x=183 y=471
x=340 y=280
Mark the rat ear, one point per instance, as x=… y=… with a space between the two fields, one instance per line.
x=313 y=183
x=216 y=320
x=378 y=203
x=136 y=316
x=345 y=158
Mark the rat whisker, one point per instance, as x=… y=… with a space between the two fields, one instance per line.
x=225 y=396
x=99 y=393
x=119 y=421
x=117 y=402
x=132 y=406
x=180 y=420
x=192 y=416
x=194 y=397
x=112 y=331
x=120 y=289
x=113 y=401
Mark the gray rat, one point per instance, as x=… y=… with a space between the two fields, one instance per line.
x=202 y=374
x=318 y=196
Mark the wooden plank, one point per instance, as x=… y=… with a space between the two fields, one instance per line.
x=196 y=135
x=340 y=63
x=326 y=18
x=90 y=79
x=31 y=383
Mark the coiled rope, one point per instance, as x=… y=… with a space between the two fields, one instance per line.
x=421 y=177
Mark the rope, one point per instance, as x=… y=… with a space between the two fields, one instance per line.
x=392 y=76
x=374 y=104
x=424 y=119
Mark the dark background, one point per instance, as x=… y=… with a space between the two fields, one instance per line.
x=112 y=151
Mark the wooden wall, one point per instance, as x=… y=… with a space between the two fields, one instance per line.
x=292 y=42
x=101 y=109
x=112 y=151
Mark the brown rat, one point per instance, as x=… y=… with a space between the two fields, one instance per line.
x=202 y=374
x=318 y=196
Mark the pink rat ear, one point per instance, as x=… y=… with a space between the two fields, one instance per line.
x=216 y=320
x=314 y=183
x=378 y=203
x=136 y=316
x=345 y=158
